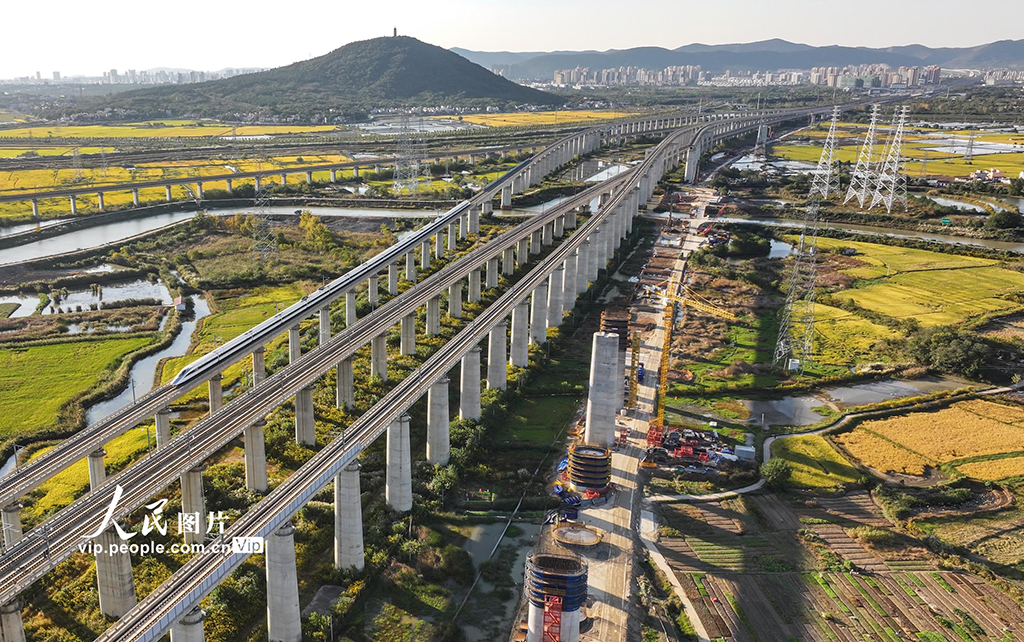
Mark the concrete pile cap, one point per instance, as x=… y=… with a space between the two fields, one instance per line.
x=576 y=534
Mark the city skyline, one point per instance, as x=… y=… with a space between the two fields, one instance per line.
x=527 y=25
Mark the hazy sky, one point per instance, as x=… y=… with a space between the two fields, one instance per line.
x=76 y=37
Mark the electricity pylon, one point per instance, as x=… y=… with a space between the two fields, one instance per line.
x=864 y=172
x=891 y=186
x=794 y=347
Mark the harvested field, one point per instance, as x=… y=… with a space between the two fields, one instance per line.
x=994 y=469
x=880 y=454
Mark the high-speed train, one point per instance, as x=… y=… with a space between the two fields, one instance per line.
x=223 y=356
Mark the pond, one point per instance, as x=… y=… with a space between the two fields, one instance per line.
x=798 y=410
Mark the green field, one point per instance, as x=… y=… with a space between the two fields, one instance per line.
x=815 y=463
x=36 y=381
x=843 y=338
x=538 y=419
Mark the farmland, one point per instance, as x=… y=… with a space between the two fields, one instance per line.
x=60 y=372
x=926 y=286
x=814 y=462
x=159 y=129
x=823 y=568
x=965 y=435
x=917 y=142
x=523 y=119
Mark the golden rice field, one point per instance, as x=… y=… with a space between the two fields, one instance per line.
x=965 y=430
x=927 y=286
x=994 y=469
x=877 y=453
x=159 y=129
x=526 y=118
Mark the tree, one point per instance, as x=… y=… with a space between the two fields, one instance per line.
x=776 y=473
x=1003 y=220
x=445 y=478
x=952 y=350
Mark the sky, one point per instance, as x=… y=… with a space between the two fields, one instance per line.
x=74 y=37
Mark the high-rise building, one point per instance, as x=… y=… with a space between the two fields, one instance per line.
x=56 y=75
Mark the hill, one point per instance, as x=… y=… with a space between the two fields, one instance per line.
x=382 y=72
x=766 y=54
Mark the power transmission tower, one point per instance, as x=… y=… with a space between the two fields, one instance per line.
x=407 y=162
x=794 y=347
x=969 y=152
x=864 y=172
x=891 y=187
x=264 y=245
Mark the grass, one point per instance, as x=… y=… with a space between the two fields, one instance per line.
x=538 y=419
x=70 y=483
x=36 y=381
x=814 y=462
x=6 y=309
x=521 y=119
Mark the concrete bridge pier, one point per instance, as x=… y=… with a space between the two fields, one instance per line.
x=546 y=234
x=379 y=357
x=439 y=245
x=284 y=623
x=486 y=208
x=114 y=581
x=255 y=457
x=190 y=627
x=334 y=176
x=539 y=314
x=325 y=324
x=508 y=265
x=506 y=197
x=455 y=300
x=305 y=432
x=284 y=179
x=193 y=502
x=167 y=193
x=35 y=209
x=453 y=238
x=199 y=190
x=162 y=424
x=258 y=182
x=469 y=385
x=10 y=520
x=350 y=309
x=348 y=519
x=410 y=267
x=74 y=206
x=474 y=220
x=519 y=354
x=408 y=346
x=492 y=273
x=294 y=344
x=473 y=295
x=99 y=199
x=259 y=366
x=11 y=627
x=464 y=226
x=535 y=242
x=398 y=482
x=135 y=197
x=605 y=389
x=392 y=278
x=569 y=281
x=216 y=393
x=522 y=251
x=555 y=295
x=438 y=445
x=583 y=266
x=425 y=255
x=346 y=388
x=373 y=290
x=558 y=227
x=497 y=362
x=309 y=178
x=433 y=320
x=97 y=469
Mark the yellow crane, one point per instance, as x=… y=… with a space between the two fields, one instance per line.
x=692 y=299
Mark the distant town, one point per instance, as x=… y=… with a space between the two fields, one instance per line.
x=132 y=77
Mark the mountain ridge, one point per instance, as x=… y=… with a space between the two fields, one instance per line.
x=769 y=54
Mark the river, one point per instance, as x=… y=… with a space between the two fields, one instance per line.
x=143 y=372
x=104 y=233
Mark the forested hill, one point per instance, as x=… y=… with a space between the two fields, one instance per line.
x=382 y=72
